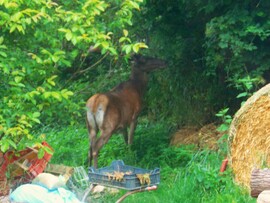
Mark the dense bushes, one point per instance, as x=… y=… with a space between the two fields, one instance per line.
x=217 y=51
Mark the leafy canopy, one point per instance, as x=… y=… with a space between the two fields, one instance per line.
x=40 y=41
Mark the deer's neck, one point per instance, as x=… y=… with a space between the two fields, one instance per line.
x=139 y=79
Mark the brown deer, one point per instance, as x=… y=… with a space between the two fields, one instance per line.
x=120 y=107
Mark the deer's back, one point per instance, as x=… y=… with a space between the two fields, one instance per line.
x=114 y=109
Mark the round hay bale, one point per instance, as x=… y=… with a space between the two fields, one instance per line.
x=249 y=136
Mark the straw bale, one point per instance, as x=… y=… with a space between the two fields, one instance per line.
x=249 y=136
x=209 y=136
x=205 y=137
x=184 y=136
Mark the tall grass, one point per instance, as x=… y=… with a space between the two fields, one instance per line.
x=187 y=175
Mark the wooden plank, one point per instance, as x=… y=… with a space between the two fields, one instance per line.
x=59 y=169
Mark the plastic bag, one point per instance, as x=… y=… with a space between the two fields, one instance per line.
x=31 y=193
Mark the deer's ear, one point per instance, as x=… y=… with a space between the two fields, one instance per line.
x=135 y=58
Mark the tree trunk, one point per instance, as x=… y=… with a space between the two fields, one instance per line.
x=260 y=181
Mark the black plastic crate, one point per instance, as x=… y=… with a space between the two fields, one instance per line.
x=129 y=181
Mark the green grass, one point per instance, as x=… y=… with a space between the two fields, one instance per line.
x=70 y=145
x=187 y=175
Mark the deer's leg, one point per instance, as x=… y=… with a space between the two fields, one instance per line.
x=92 y=133
x=100 y=142
x=125 y=134
x=92 y=139
x=132 y=128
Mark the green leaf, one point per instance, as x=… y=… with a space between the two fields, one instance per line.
x=41 y=153
x=223 y=127
x=1 y=40
x=125 y=32
x=74 y=40
x=260 y=13
x=134 y=5
x=66 y=63
x=16 y=17
x=36 y=120
x=16 y=84
x=46 y=94
x=112 y=50
x=105 y=44
x=100 y=7
x=223 y=45
x=65 y=93
x=24 y=122
x=33 y=93
x=36 y=114
x=3 y=54
x=136 y=47
x=20 y=29
x=13 y=144
x=63 y=30
x=127 y=48
x=18 y=79
x=57 y=96
x=28 y=21
x=4 y=146
x=68 y=35
x=55 y=58
x=50 y=80
x=122 y=39
x=3 y=47
x=243 y=94
x=13 y=27
x=48 y=150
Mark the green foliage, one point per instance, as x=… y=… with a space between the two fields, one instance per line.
x=40 y=43
x=224 y=127
x=181 y=94
x=237 y=43
x=226 y=120
x=216 y=50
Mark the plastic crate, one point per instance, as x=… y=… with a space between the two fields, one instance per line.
x=130 y=181
x=26 y=162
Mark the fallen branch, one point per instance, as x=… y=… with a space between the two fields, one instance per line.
x=154 y=187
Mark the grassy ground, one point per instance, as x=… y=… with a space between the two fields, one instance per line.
x=187 y=175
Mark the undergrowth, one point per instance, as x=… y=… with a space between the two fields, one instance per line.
x=187 y=174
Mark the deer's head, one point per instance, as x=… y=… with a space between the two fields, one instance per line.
x=147 y=64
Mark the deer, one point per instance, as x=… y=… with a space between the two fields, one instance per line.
x=119 y=108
